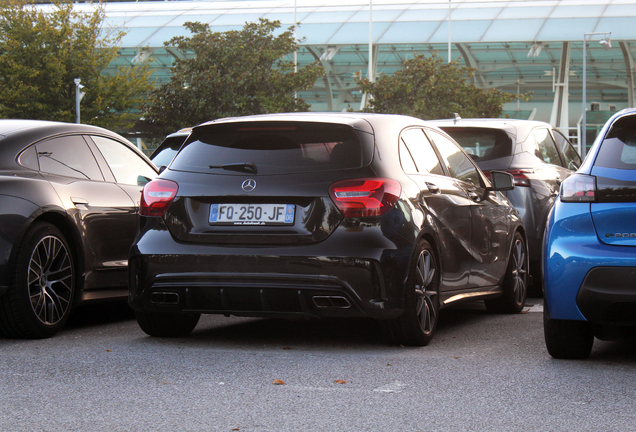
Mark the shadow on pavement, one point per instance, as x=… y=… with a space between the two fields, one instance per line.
x=99 y=314
x=350 y=332
x=264 y=331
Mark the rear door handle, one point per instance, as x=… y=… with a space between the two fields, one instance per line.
x=473 y=196
x=79 y=201
x=433 y=188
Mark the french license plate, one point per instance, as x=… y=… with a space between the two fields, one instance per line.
x=252 y=214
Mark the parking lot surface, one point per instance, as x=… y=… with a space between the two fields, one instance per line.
x=481 y=372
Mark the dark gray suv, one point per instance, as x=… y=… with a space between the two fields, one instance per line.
x=537 y=155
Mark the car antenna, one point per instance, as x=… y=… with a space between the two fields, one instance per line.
x=456 y=118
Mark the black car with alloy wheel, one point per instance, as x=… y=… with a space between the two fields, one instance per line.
x=324 y=215
x=69 y=195
x=538 y=156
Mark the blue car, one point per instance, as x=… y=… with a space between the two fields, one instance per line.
x=589 y=247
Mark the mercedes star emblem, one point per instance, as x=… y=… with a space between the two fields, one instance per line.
x=249 y=185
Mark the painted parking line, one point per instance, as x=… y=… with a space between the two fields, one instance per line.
x=533 y=308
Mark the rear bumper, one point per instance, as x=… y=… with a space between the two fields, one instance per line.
x=361 y=277
x=608 y=296
x=585 y=279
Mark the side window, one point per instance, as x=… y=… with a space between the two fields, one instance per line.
x=546 y=148
x=126 y=165
x=572 y=159
x=459 y=165
x=29 y=158
x=406 y=159
x=421 y=152
x=68 y=156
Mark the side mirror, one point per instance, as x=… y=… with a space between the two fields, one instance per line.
x=501 y=181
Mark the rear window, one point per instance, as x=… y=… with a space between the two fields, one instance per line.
x=618 y=149
x=480 y=143
x=280 y=147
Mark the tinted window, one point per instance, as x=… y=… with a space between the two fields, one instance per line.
x=618 y=149
x=68 y=156
x=420 y=150
x=572 y=158
x=545 y=147
x=406 y=159
x=167 y=149
x=272 y=147
x=482 y=144
x=126 y=165
x=459 y=165
x=29 y=158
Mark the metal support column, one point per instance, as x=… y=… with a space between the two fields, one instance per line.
x=560 y=115
x=629 y=71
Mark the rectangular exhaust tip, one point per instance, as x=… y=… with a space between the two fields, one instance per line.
x=332 y=302
x=164 y=298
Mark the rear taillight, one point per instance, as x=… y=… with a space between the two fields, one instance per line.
x=157 y=197
x=365 y=197
x=520 y=177
x=579 y=188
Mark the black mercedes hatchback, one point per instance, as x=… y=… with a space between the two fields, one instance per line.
x=324 y=215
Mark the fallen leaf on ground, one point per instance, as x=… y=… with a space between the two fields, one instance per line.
x=340 y=381
x=278 y=382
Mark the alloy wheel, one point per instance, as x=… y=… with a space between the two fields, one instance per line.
x=50 y=280
x=426 y=291
x=519 y=271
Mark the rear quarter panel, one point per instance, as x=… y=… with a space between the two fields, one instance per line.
x=570 y=244
x=22 y=199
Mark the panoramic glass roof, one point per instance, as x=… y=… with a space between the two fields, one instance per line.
x=471 y=21
x=514 y=45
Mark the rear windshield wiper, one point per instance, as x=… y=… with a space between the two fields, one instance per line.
x=248 y=167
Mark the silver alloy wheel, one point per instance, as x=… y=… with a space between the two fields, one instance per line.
x=426 y=291
x=50 y=280
x=519 y=271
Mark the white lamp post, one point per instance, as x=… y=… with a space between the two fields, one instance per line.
x=370 y=72
x=607 y=44
x=79 y=94
x=449 y=31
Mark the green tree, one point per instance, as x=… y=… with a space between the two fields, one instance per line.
x=430 y=88
x=42 y=51
x=232 y=73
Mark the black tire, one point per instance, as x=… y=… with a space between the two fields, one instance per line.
x=567 y=339
x=42 y=285
x=535 y=289
x=163 y=324
x=417 y=325
x=515 y=284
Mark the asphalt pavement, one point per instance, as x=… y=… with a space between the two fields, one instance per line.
x=482 y=372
